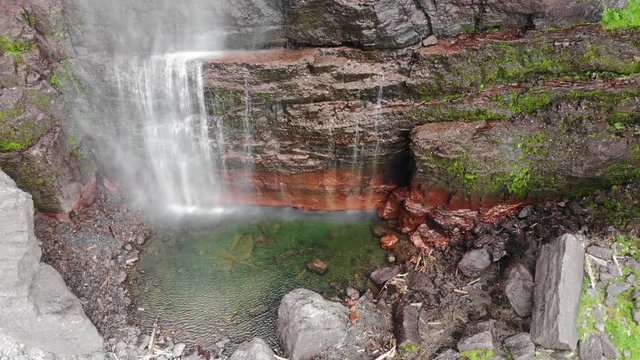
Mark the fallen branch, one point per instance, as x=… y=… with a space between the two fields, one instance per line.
x=389 y=353
x=153 y=337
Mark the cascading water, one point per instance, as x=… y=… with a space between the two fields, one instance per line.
x=165 y=141
x=168 y=101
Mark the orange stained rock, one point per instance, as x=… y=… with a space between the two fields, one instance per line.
x=389 y=241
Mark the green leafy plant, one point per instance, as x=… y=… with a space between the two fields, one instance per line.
x=629 y=16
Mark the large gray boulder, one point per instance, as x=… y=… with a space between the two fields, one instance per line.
x=557 y=293
x=256 y=349
x=309 y=324
x=39 y=316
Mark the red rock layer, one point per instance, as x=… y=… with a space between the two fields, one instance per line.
x=330 y=190
x=432 y=217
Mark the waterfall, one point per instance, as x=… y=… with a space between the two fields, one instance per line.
x=158 y=131
x=166 y=98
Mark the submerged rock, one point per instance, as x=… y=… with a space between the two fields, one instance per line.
x=256 y=349
x=309 y=324
x=557 y=293
x=318 y=266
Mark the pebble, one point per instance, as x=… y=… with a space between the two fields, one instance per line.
x=525 y=212
x=591 y=348
x=145 y=342
x=382 y=275
x=391 y=259
x=178 y=349
x=222 y=343
x=608 y=349
x=430 y=41
x=318 y=266
x=474 y=262
x=600 y=252
x=353 y=293
x=614 y=289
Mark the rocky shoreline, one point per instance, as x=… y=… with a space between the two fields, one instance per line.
x=476 y=295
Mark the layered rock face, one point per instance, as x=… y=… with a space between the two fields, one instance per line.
x=39 y=316
x=487 y=118
x=34 y=148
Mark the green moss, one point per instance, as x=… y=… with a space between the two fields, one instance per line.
x=629 y=16
x=586 y=322
x=67 y=80
x=520 y=182
x=6 y=114
x=534 y=144
x=623 y=331
x=478 y=354
x=409 y=347
x=527 y=102
x=628 y=245
x=445 y=112
x=54 y=80
x=29 y=17
x=15 y=48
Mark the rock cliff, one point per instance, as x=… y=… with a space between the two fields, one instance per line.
x=35 y=148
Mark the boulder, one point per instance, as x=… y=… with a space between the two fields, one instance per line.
x=256 y=349
x=38 y=313
x=520 y=347
x=519 y=289
x=557 y=293
x=474 y=262
x=477 y=336
x=36 y=152
x=309 y=324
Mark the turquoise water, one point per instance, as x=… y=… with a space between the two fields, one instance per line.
x=206 y=278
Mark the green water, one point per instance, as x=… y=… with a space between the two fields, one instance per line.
x=206 y=279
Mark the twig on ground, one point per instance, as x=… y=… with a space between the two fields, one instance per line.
x=389 y=353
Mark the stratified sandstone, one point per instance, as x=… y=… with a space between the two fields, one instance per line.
x=315 y=109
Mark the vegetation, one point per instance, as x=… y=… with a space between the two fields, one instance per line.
x=618 y=321
x=15 y=48
x=629 y=16
x=478 y=354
